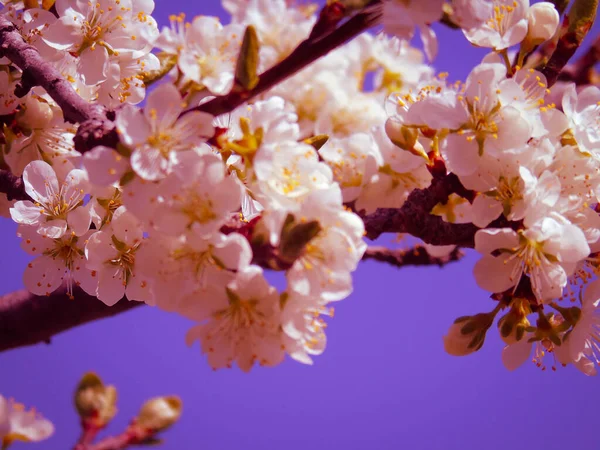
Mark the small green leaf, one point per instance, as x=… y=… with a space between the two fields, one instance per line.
x=581 y=17
x=246 y=71
x=127 y=178
x=317 y=141
x=294 y=238
x=167 y=62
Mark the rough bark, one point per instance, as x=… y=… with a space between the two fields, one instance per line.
x=27 y=319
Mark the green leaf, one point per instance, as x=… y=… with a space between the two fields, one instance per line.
x=581 y=17
x=294 y=238
x=167 y=62
x=246 y=71
x=127 y=178
x=317 y=141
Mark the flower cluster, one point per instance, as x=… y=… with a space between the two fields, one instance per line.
x=188 y=210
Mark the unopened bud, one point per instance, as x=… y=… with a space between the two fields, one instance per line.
x=95 y=402
x=160 y=413
x=405 y=137
x=512 y=328
x=513 y=325
x=295 y=236
x=401 y=135
x=467 y=334
x=543 y=22
x=36 y=114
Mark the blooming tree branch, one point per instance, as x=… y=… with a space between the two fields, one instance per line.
x=324 y=38
x=95 y=128
x=289 y=166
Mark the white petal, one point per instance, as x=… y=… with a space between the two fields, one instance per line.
x=111 y=287
x=26 y=212
x=43 y=275
x=513 y=356
x=40 y=181
x=92 y=65
x=79 y=220
x=493 y=274
x=53 y=229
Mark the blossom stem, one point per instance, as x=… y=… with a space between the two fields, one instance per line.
x=506 y=59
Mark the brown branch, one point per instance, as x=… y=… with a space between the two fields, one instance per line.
x=581 y=71
x=95 y=129
x=574 y=29
x=12 y=186
x=323 y=39
x=417 y=256
x=414 y=216
x=27 y=319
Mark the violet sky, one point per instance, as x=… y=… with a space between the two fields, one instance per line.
x=384 y=381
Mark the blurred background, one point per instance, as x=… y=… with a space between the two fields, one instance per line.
x=384 y=381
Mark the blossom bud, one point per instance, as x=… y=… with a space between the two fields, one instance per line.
x=95 y=402
x=467 y=334
x=295 y=236
x=543 y=21
x=36 y=114
x=404 y=137
x=513 y=325
x=160 y=413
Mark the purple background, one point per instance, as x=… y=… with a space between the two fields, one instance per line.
x=383 y=383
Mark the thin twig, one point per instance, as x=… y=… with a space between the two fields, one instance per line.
x=417 y=256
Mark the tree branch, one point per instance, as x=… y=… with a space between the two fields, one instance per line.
x=27 y=319
x=414 y=216
x=12 y=186
x=95 y=129
x=581 y=71
x=417 y=256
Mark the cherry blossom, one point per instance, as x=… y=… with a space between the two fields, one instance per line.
x=19 y=424
x=111 y=255
x=57 y=206
x=241 y=323
x=157 y=133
